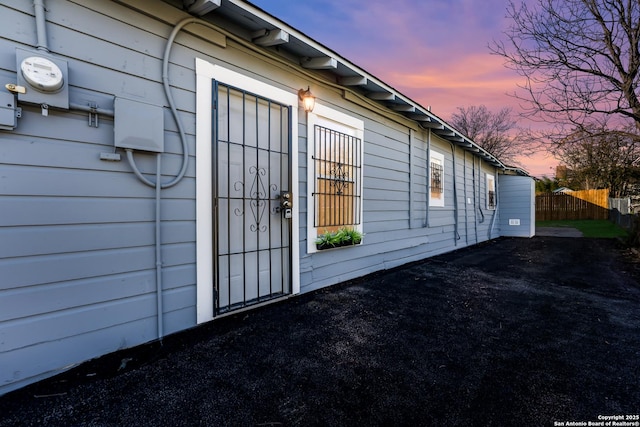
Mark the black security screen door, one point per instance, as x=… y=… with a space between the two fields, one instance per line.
x=252 y=238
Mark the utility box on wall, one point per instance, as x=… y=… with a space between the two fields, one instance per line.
x=138 y=126
x=8 y=112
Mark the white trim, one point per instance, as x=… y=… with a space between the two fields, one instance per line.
x=433 y=201
x=340 y=122
x=205 y=73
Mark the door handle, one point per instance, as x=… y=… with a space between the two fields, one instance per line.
x=286 y=204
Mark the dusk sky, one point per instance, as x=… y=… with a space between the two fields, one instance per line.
x=433 y=51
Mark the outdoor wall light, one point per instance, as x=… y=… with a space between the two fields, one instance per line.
x=307 y=98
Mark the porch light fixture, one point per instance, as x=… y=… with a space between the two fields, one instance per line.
x=307 y=98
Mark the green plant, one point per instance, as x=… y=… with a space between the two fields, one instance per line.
x=342 y=237
x=352 y=235
x=323 y=240
x=337 y=238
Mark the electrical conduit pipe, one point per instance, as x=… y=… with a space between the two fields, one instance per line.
x=41 y=25
x=42 y=45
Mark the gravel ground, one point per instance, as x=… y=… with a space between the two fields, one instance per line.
x=527 y=332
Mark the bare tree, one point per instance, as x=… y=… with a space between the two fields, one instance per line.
x=495 y=132
x=601 y=159
x=580 y=60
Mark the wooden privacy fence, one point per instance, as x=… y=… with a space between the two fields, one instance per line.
x=585 y=204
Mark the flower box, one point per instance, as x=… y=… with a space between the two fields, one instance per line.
x=337 y=239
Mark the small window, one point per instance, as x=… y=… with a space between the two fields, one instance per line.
x=436 y=181
x=491 y=192
x=337 y=163
x=335 y=156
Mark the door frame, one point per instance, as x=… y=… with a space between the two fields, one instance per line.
x=205 y=74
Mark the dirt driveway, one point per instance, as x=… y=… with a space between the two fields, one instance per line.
x=512 y=332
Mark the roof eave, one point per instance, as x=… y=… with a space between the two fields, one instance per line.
x=319 y=57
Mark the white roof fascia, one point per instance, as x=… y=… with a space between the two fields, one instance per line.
x=392 y=93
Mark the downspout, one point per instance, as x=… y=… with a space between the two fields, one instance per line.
x=426 y=220
x=475 y=200
x=410 y=177
x=466 y=199
x=480 y=191
x=495 y=212
x=456 y=236
x=41 y=25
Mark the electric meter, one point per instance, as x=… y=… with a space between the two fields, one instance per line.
x=42 y=74
x=45 y=77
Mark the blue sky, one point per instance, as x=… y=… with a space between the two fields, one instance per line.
x=434 y=51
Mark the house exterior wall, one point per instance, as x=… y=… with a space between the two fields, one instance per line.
x=77 y=275
x=77 y=260
x=517 y=210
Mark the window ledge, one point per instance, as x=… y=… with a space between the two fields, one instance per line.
x=322 y=248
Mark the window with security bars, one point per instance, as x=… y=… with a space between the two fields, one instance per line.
x=337 y=162
x=491 y=192
x=436 y=179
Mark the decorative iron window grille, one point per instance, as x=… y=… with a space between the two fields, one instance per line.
x=436 y=178
x=337 y=163
x=491 y=199
x=491 y=192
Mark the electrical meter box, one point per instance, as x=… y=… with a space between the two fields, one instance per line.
x=45 y=78
x=8 y=113
x=138 y=126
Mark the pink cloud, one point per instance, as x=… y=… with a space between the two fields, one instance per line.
x=539 y=165
x=434 y=52
x=470 y=80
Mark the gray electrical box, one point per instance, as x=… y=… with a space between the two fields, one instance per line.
x=8 y=113
x=138 y=126
x=46 y=78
